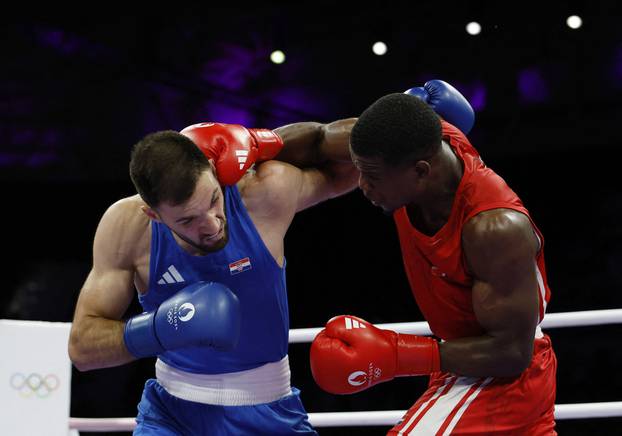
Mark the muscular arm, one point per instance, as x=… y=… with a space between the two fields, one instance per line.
x=311 y=144
x=313 y=166
x=322 y=150
x=277 y=190
x=96 y=339
x=500 y=248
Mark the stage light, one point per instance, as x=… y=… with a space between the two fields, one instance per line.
x=277 y=56
x=379 y=48
x=574 y=21
x=473 y=28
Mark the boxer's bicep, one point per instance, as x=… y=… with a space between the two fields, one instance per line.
x=500 y=249
x=105 y=294
x=96 y=338
x=108 y=290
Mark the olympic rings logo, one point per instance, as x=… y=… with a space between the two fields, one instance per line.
x=183 y=313
x=34 y=384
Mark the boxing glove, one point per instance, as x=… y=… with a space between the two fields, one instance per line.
x=204 y=313
x=233 y=147
x=446 y=102
x=351 y=355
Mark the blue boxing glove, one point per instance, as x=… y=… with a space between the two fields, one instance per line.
x=204 y=313
x=447 y=102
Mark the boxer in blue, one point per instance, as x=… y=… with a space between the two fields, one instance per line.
x=202 y=242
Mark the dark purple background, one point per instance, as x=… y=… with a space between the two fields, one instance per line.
x=76 y=93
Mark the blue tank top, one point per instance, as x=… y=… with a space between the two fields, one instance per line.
x=244 y=265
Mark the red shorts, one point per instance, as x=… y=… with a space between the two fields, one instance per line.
x=488 y=406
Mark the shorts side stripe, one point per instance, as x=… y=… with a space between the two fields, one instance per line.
x=449 y=381
x=449 y=426
x=432 y=420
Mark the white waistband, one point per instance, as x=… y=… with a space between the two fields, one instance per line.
x=264 y=384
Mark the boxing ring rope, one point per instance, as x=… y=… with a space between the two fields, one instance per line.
x=370 y=418
x=551 y=320
x=390 y=417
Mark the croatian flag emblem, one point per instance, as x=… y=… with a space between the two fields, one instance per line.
x=240 y=266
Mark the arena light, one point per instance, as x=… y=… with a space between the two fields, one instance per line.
x=473 y=28
x=379 y=48
x=574 y=21
x=277 y=56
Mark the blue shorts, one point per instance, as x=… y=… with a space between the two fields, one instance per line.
x=160 y=413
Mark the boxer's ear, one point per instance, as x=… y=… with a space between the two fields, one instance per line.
x=151 y=213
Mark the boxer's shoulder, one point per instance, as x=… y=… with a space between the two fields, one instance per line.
x=124 y=229
x=127 y=215
x=496 y=223
x=498 y=237
x=267 y=189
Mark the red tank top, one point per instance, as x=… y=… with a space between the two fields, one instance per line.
x=435 y=265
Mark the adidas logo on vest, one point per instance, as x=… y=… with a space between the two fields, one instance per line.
x=171 y=276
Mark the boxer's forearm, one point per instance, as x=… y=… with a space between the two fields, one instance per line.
x=310 y=144
x=485 y=356
x=335 y=144
x=343 y=176
x=98 y=343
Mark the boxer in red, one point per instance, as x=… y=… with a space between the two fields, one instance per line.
x=474 y=259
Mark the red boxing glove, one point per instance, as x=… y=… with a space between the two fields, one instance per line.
x=233 y=147
x=351 y=355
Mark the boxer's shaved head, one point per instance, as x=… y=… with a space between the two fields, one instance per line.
x=398 y=128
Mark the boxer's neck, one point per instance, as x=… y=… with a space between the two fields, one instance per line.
x=432 y=212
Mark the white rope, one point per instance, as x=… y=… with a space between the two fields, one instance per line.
x=588 y=410
x=102 y=424
x=551 y=320
x=349 y=419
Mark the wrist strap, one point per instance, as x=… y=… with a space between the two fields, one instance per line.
x=269 y=144
x=140 y=337
x=417 y=355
